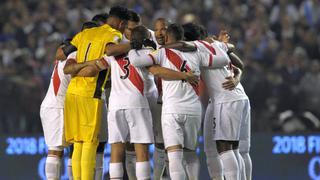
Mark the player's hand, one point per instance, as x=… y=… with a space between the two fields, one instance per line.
x=230 y=83
x=192 y=78
x=149 y=43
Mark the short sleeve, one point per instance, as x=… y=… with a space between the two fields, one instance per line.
x=116 y=38
x=76 y=40
x=139 y=58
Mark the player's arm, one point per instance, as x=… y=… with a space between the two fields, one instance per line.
x=181 y=46
x=88 y=68
x=72 y=67
x=235 y=60
x=113 y=49
x=168 y=74
x=93 y=68
x=63 y=52
x=213 y=61
x=67 y=48
x=237 y=65
x=232 y=81
x=141 y=60
x=59 y=54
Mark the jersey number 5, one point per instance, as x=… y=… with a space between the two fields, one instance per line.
x=126 y=68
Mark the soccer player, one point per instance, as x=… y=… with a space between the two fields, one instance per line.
x=51 y=113
x=181 y=107
x=161 y=162
x=228 y=111
x=83 y=104
x=133 y=21
x=130 y=119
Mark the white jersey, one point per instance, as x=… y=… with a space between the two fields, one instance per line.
x=129 y=85
x=58 y=86
x=179 y=97
x=215 y=77
x=151 y=87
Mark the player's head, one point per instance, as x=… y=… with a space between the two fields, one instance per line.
x=89 y=24
x=203 y=32
x=191 y=32
x=139 y=35
x=100 y=19
x=174 y=33
x=133 y=21
x=160 y=28
x=118 y=17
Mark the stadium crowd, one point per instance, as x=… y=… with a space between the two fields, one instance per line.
x=279 y=42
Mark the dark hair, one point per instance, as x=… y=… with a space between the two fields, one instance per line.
x=176 y=31
x=133 y=16
x=203 y=32
x=89 y=24
x=119 y=12
x=191 y=32
x=138 y=35
x=100 y=18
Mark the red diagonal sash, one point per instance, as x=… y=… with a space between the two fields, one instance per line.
x=176 y=60
x=134 y=76
x=56 y=79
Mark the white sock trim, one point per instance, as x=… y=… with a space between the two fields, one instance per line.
x=52 y=167
x=116 y=170
x=143 y=170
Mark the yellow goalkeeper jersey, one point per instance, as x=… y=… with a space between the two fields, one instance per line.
x=91 y=44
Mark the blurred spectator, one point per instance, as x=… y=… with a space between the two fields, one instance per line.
x=276 y=39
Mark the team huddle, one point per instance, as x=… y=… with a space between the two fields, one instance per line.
x=119 y=82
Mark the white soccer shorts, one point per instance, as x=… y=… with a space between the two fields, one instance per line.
x=53 y=126
x=130 y=125
x=181 y=129
x=228 y=119
x=245 y=132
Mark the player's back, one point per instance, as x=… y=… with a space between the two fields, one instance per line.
x=129 y=85
x=57 y=88
x=180 y=96
x=215 y=77
x=91 y=44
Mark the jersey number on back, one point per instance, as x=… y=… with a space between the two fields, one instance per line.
x=126 y=68
x=183 y=68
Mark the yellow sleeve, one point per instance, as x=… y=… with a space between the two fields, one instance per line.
x=116 y=37
x=76 y=40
